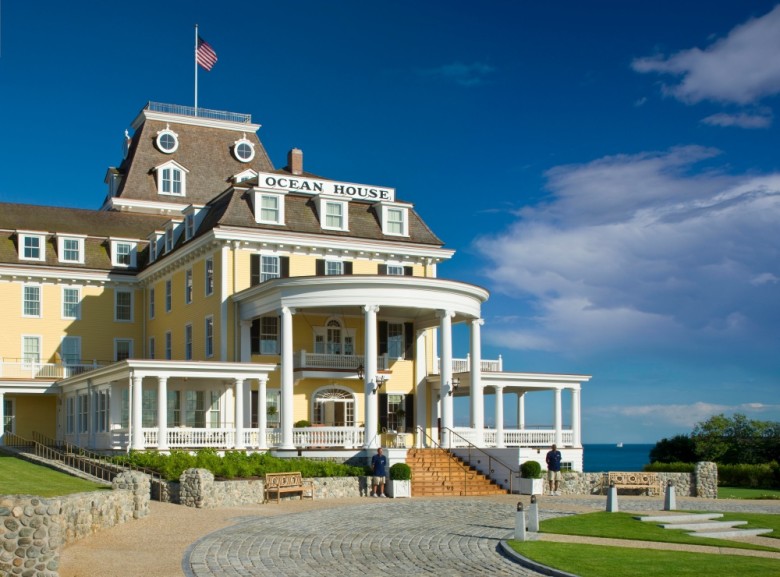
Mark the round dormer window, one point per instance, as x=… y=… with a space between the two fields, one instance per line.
x=167 y=141
x=244 y=150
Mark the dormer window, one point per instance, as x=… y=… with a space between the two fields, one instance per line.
x=32 y=246
x=123 y=253
x=244 y=175
x=333 y=213
x=189 y=226
x=70 y=249
x=172 y=179
x=395 y=220
x=153 y=249
x=167 y=140
x=269 y=207
x=243 y=149
x=170 y=235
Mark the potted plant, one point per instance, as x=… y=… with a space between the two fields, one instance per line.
x=531 y=482
x=400 y=484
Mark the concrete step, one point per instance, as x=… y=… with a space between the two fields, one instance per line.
x=713 y=525
x=684 y=518
x=735 y=534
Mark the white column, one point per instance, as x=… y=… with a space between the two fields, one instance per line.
x=420 y=371
x=371 y=401
x=2 y=419
x=246 y=341
x=558 y=419
x=446 y=376
x=499 y=416
x=137 y=441
x=247 y=403
x=286 y=413
x=521 y=411
x=238 y=385
x=262 y=413
x=162 y=413
x=575 y=417
x=477 y=393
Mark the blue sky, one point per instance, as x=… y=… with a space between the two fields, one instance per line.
x=608 y=170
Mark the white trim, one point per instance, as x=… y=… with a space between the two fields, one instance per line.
x=41 y=237
x=166 y=132
x=61 y=238
x=237 y=144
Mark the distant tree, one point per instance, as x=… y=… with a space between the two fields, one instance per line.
x=737 y=439
x=678 y=449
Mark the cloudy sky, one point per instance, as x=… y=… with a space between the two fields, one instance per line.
x=609 y=170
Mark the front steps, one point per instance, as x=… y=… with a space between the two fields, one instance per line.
x=435 y=472
x=704 y=525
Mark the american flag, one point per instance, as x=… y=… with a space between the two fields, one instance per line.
x=205 y=54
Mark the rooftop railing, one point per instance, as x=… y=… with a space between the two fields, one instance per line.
x=199 y=112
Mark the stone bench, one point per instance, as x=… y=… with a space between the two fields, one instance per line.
x=282 y=483
x=648 y=482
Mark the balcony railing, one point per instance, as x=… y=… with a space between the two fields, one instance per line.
x=31 y=369
x=512 y=437
x=464 y=365
x=306 y=360
x=199 y=112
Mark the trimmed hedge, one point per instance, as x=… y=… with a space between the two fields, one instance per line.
x=761 y=476
x=670 y=467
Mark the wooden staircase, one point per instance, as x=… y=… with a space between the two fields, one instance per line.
x=437 y=472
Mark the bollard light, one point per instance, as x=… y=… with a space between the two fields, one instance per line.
x=533 y=499
x=519 y=505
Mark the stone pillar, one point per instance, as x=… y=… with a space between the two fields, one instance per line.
x=558 y=419
x=286 y=412
x=238 y=386
x=421 y=390
x=576 y=426
x=371 y=408
x=706 y=476
x=446 y=390
x=499 y=416
x=262 y=413
x=477 y=393
x=137 y=441
x=162 y=414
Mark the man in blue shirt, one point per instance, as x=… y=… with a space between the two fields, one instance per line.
x=554 y=470
x=379 y=472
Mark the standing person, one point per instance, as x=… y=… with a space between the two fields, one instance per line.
x=379 y=470
x=554 y=470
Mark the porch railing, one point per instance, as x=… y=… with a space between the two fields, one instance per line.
x=32 y=369
x=224 y=438
x=464 y=365
x=475 y=454
x=512 y=437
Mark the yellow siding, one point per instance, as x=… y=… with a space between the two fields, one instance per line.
x=303 y=265
x=35 y=413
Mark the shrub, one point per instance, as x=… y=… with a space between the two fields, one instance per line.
x=302 y=423
x=670 y=467
x=400 y=472
x=762 y=476
x=531 y=470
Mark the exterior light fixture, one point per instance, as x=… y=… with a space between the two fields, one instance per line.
x=380 y=380
x=454 y=384
x=360 y=372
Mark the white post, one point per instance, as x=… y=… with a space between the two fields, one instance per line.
x=195 y=55
x=262 y=413
x=238 y=385
x=137 y=442
x=499 y=416
x=286 y=412
x=446 y=390
x=477 y=393
x=162 y=414
x=576 y=425
x=420 y=369
x=558 y=419
x=521 y=411
x=371 y=408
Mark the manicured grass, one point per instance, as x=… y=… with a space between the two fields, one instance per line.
x=624 y=526
x=600 y=560
x=20 y=477
x=743 y=493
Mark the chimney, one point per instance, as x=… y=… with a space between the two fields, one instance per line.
x=295 y=161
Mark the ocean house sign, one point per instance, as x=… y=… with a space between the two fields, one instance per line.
x=275 y=182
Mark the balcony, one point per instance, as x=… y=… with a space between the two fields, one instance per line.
x=32 y=369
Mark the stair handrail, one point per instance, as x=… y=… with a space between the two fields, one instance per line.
x=512 y=472
x=423 y=434
x=436 y=444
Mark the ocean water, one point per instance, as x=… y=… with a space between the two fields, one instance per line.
x=599 y=458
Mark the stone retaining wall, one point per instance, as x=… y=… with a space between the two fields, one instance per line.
x=33 y=529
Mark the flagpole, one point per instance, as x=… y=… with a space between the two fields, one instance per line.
x=195 y=56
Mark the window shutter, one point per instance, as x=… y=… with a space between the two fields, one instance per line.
x=319 y=268
x=255 y=336
x=408 y=271
x=348 y=267
x=382 y=269
x=284 y=266
x=382 y=334
x=382 y=411
x=409 y=341
x=254 y=267
x=409 y=409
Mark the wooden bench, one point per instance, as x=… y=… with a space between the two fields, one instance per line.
x=291 y=482
x=646 y=481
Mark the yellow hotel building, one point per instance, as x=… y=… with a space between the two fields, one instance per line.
x=216 y=301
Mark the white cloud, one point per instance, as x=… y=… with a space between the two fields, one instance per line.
x=636 y=252
x=682 y=415
x=460 y=73
x=740 y=120
x=741 y=68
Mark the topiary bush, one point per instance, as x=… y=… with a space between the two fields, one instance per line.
x=400 y=472
x=301 y=424
x=531 y=470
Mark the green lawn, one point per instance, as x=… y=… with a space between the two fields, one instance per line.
x=20 y=477
x=742 y=493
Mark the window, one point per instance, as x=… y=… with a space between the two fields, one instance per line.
x=215 y=413
x=396 y=412
x=123 y=305
x=334 y=339
x=171 y=182
x=169 y=239
x=209 y=276
x=209 y=336
x=70 y=411
x=123 y=349
x=149 y=408
x=335 y=215
x=265 y=336
x=123 y=253
x=70 y=351
x=186 y=409
x=395 y=270
x=265 y=267
x=31 y=351
x=101 y=411
x=271 y=209
x=333 y=267
x=71 y=303
x=189 y=226
x=168 y=296
x=83 y=403
x=243 y=150
x=269 y=268
x=168 y=345
x=395 y=340
x=395 y=221
x=151 y=303
x=151 y=347
x=167 y=141
x=188 y=286
x=334 y=407
x=153 y=248
x=31 y=300
x=8 y=416
x=71 y=249
x=188 y=342
x=31 y=247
